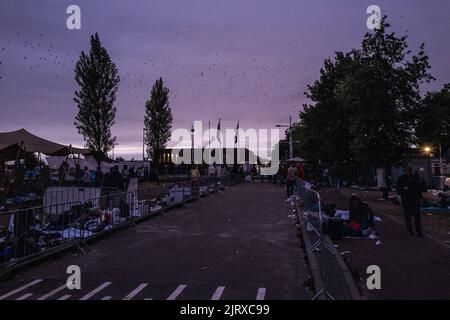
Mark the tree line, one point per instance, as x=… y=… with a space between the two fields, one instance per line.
x=98 y=79
x=366 y=109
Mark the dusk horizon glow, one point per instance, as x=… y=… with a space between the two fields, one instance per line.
x=220 y=59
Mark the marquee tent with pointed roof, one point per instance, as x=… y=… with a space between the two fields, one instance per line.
x=15 y=143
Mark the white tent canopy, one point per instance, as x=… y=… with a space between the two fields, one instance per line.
x=54 y=162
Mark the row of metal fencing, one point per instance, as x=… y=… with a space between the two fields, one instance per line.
x=327 y=270
x=72 y=218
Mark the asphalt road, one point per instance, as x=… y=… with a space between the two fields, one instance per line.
x=411 y=267
x=236 y=244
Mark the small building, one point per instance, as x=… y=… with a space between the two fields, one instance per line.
x=428 y=168
x=230 y=156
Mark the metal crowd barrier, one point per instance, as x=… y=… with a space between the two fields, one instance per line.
x=64 y=194
x=311 y=220
x=31 y=232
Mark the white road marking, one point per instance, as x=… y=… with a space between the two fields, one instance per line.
x=133 y=293
x=107 y=298
x=177 y=292
x=6 y=295
x=95 y=291
x=65 y=297
x=25 y=296
x=53 y=292
x=148 y=299
x=218 y=293
x=261 y=294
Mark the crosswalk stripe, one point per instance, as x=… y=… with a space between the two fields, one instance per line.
x=177 y=292
x=218 y=293
x=133 y=293
x=107 y=298
x=53 y=292
x=65 y=297
x=25 y=296
x=6 y=295
x=95 y=291
x=261 y=294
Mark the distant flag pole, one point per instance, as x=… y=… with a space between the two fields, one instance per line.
x=218 y=133
x=209 y=134
x=236 y=134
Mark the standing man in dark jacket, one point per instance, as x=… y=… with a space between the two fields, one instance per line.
x=408 y=187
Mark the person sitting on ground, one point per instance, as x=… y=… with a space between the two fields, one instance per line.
x=329 y=209
x=360 y=213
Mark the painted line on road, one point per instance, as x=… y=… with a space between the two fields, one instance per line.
x=177 y=292
x=218 y=293
x=6 y=295
x=53 y=292
x=261 y=294
x=95 y=291
x=25 y=296
x=133 y=293
x=107 y=298
x=65 y=297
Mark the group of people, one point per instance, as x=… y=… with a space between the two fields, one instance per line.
x=97 y=178
x=295 y=171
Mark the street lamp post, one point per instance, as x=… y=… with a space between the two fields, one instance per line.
x=143 y=144
x=291 y=146
x=192 y=140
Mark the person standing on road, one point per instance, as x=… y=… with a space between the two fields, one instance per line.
x=290 y=179
x=408 y=187
x=301 y=171
x=195 y=177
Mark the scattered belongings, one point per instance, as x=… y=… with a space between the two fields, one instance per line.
x=443 y=206
x=357 y=222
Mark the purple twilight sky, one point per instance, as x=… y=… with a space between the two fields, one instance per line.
x=246 y=60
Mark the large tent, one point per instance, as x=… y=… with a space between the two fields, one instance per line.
x=13 y=144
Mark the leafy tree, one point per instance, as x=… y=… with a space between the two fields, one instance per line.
x=324 y=127
x=433 y=121
x=382 y=92
x=98 y=79
x=158 y=121
x=365 y=104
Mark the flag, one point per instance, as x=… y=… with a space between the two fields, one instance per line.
x=236 y=133
x=218 y=132
x=209 y=134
